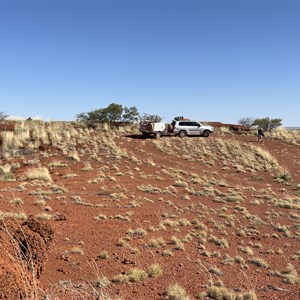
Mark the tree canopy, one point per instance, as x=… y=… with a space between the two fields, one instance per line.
x=266 y=123
x=112 y=113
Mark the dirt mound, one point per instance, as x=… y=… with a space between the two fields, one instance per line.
x=23 y=254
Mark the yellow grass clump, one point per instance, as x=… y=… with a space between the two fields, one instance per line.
x=40 y=173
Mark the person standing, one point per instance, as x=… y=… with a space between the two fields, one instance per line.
x=260 y=135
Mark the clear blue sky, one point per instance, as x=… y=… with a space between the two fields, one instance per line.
x=208 y=60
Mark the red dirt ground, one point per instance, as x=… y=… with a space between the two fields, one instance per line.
x=68 y=274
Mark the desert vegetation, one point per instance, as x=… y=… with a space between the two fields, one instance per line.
x=267 y=124
x=121 y=217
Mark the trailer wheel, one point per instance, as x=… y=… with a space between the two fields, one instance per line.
x=157 y=135
x=182 y=133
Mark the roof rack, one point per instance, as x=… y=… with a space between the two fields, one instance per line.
x=180 y=118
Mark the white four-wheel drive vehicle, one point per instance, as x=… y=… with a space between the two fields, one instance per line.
x=188 y=127
x=179 y=126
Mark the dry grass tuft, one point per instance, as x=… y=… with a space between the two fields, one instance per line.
x=289 y=276
x=176 y=292
x=154 y=270
x=40 y=173
x=223 y=293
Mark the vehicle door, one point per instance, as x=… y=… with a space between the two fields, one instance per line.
x=194 y=128
x=182 y=125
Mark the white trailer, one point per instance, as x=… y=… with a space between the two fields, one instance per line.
x=155 y=129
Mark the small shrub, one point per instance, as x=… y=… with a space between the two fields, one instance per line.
x=41 y=173
x=176 y=292
x=167 y=252
x=138 y=231
x=40 y=202
x=20 y=216
x=259 y=262
x=87 y=167
x=220 y=293
x=223 y=293
x=156 y=243
x=216 y=271
x=16 y=201
x=120 y=278
x=76 y=250
x=154 y=270
x=136 y=275
x=101 y=282
x=121 y=243
x=103 y=255
x=289 y=276
x=44 y=216
x=180 y=183
x=219 y=242
x=178 y=243
x=284 y=176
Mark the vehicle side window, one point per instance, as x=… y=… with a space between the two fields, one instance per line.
x=188 y=123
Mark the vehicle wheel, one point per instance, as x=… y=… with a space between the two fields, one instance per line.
x=206 y=133
x=145 y=135
x=157 y=135
x=182 y=133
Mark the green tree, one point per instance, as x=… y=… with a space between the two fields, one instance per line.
x=81 y=117
x=94 y=115
x=112 y=113
x=267 y=124
x=131 y=114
